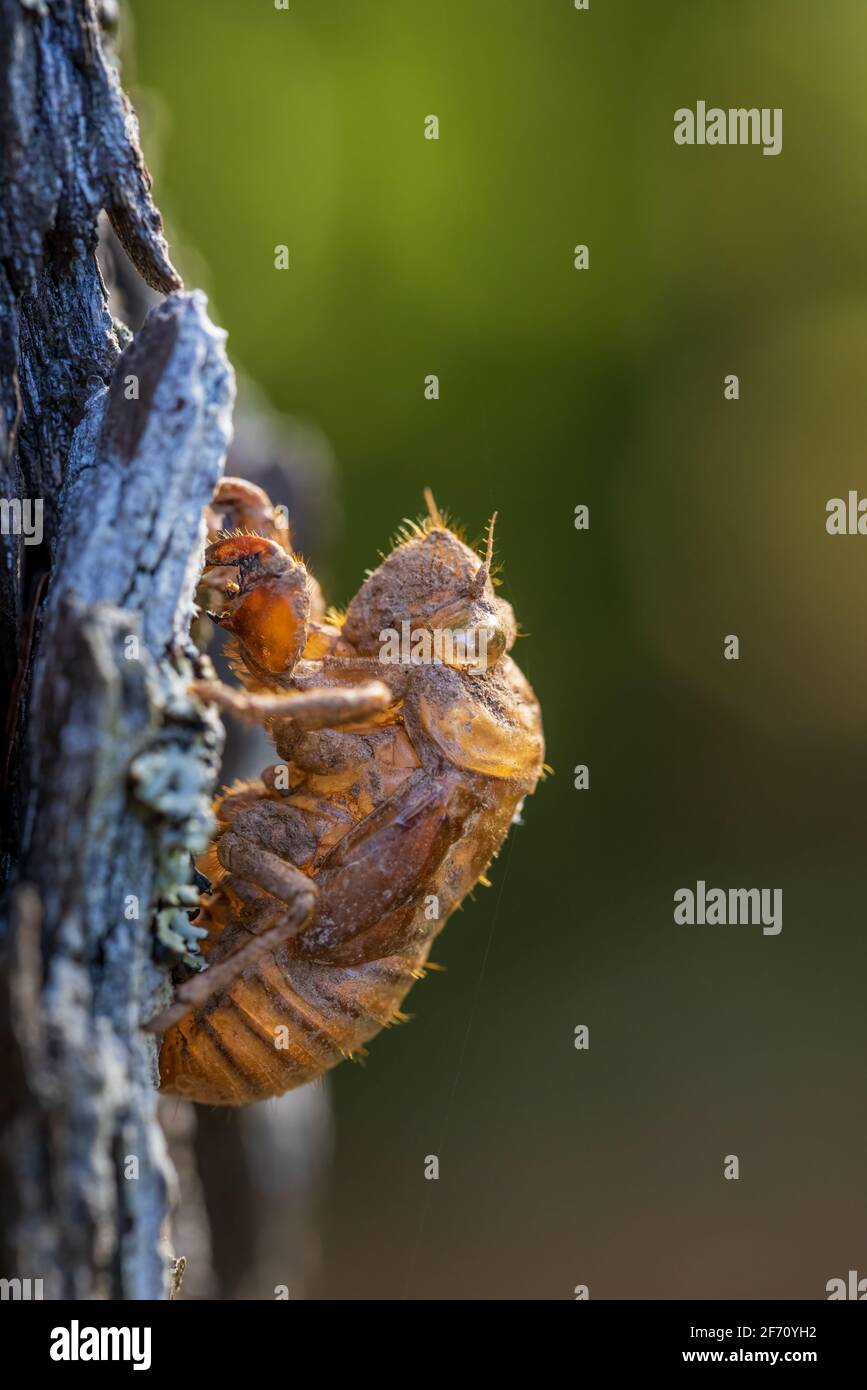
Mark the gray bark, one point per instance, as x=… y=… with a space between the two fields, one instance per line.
x=111 y=767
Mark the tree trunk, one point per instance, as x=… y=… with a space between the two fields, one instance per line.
x=111 y=449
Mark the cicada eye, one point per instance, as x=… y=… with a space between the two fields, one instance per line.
x=496 y=645
x=485 y=647
x=474 y=647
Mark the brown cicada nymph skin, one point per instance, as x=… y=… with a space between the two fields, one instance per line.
x=406 y=739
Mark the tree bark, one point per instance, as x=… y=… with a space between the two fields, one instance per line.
x=110 y=768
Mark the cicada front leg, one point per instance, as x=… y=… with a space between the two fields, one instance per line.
x=321 y=708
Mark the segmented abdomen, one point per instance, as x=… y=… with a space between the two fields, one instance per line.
x=283 y=1023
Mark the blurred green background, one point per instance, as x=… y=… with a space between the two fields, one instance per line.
x=604 y=387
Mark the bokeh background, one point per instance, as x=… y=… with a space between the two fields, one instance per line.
x=604 y=387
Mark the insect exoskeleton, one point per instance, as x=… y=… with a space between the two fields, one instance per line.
x=406 y=737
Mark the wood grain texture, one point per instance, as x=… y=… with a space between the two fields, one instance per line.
x=111 y=767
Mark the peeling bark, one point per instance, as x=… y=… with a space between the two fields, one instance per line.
x=110 y=767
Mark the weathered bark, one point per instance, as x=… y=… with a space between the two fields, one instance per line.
x=111 y=767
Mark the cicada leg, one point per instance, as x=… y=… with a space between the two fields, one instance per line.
x=294 y=891
x=310 y=709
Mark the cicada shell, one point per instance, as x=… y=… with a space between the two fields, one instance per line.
x=406 y=738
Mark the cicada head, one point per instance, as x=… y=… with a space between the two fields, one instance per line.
x=432 y=581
